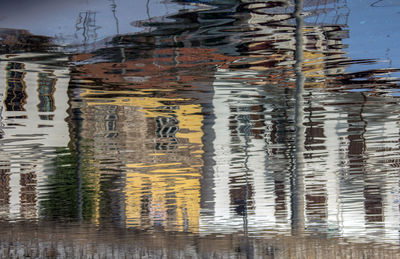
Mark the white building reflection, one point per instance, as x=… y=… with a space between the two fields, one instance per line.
x=33 y=111
x=350 y=184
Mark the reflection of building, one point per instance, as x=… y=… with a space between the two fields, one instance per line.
x=76 y=23
x=242 y=169
x=31 y=122
x=339 y=192
x=153 y=106
x=273 y=45
x=15 y=40
x=164 y=175
x=255 y=160
x=152 y=99
x=30 y=113
x=349 y=188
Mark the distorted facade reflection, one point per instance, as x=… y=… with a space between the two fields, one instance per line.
x=149 y=131
x=189 y=126
x=33 y=113
x=256 y=159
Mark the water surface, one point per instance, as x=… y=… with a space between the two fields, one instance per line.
x=271 y=124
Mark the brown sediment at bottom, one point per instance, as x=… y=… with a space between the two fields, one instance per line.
x=68 y=240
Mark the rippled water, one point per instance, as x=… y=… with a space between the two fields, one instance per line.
x=269 y=123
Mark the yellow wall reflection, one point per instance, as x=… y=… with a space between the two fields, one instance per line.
x=162 y=186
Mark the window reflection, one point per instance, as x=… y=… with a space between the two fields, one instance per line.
x=46 y=90
x=15 y=93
